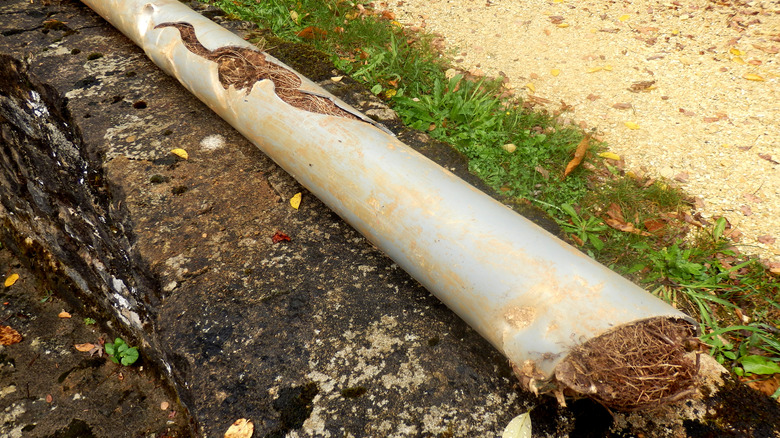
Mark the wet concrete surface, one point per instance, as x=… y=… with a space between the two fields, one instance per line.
x=321 y=335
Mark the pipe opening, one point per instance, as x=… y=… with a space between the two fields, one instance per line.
x=635 y=366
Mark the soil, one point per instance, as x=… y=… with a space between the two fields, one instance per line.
x=50 y=389
x=684 y=90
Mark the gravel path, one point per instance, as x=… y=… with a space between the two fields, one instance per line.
x=686 y=90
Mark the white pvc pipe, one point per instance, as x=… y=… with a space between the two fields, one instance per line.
x=531 y=295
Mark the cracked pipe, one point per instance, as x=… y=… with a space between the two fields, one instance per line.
x=535 y=298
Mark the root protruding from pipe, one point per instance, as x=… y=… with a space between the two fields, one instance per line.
x=242 y=67
x=636 y=366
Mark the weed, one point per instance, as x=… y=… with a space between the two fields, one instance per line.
x=89 y=321
x=583 y=230
x=120 y=352
x=47 y=296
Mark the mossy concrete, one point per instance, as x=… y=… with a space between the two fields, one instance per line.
x=321 y=335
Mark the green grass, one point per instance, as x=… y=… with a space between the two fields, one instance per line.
x=522 y=155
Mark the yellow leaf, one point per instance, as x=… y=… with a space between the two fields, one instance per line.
x=607 y=67
x=396 y=24
x=555 y=72
x=631 y=125
x=624 y=17
x=64 y=314
x=563 y=25
x=738 y=60
x=294 y=16
x=295 y=201
x=675 y=32
x=557 y=1
x=241 y=428
x=753 y=77
x=181 y=153
x=509 y=147
x=530 y=87
x=390 y=93
x=11 y=280
x=736 y=52
x=594 y=69
x=609 y=155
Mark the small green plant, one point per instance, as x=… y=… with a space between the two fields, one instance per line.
x=120 y=352
x=89 y=321
x=583 y=230
x=47 y=296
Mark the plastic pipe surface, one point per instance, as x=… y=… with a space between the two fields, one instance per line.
x=534 y=297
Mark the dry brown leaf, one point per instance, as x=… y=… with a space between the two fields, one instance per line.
x=653 y=225
x=766 y=239
x=312 y=33
x=579 y=154
x=627 y=227
x=768 y=158
x=636 y=87
x=84 y=348
x=746 y=210
x=241 y=428
x=63 y=314
x=615 y=212
x=772 y=50
x=752 y=198
x=9 y=336
x=622 y=106
x=591 y=97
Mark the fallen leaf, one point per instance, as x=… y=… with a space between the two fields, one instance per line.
x=84 y=348
x=11 y=279
x=579 y=154
x=766 y=239
x=746 y=210
x=530 y=87
x=624 y=17
x=591 y=97
x=594 y=69
x=294 y=16
x=295 y=201
x=519 y=427
x=64 y=314
x=563 y=25
x=555 y=72
x=610 y=156
x=164 y=406
x=544 y=172
x=9 y=336
x=636 y=87
x=509 y=147
x=631 y=125
x=752 y=198
x=764 y=156
x=337 y=78
x=653 y=225
x=241 y=428
x=682 y=177
x=753 y=77
x=615 y=212
x=687 y=113
x=622 y=106
x=387 y=15
x=280 y=237
x=181 y=153
x=771 y=50
x=627 y=227
x=736 y=52
x=738 y=60
x=312 y=33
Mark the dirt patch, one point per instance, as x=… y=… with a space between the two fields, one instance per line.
x=637 y=366
x=49 y=388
